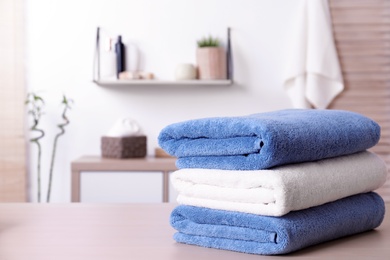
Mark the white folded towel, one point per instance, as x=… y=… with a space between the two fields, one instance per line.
x=313 y=75
x=277 y=191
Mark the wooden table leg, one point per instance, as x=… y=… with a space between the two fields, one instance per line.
x=75 y=184
x=165 y=186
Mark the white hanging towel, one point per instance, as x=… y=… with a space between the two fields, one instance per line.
x=313 y=75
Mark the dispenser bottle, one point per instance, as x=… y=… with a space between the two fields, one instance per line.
x=120 y=56
x=108 y=59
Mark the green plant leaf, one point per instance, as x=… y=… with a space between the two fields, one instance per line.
x=208 y=42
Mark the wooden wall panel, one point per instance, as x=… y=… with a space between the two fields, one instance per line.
x=12 y=142
x=362 y=35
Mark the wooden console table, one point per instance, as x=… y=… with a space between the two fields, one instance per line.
x=97 y=163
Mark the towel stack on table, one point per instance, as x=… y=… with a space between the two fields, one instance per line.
x=275 y=182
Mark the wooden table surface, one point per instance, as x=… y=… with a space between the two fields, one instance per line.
x=97 y=163
x=139 y=231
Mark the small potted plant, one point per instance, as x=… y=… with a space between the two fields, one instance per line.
x=211 y=59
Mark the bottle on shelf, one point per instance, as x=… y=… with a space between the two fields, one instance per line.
x=108 y=59
x=120 y=56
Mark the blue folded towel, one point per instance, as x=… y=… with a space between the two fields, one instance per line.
x=256 y=234
x=265 y=140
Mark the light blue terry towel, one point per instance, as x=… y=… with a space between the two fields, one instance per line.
x=257 y=234
x=261 y=141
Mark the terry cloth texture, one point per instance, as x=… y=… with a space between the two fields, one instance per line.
x=266 y=235
x=264 y=140
x=278 y=191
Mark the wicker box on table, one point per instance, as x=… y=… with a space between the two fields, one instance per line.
x=123 y=147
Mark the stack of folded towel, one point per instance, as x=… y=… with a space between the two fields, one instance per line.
x=276 y=182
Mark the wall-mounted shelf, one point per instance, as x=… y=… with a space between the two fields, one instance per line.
x=152 y=82
x=144 y=82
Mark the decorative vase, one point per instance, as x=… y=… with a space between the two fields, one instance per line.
x=211 y=63
x=185 y=72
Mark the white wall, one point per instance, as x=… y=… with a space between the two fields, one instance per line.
x=60 y=47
